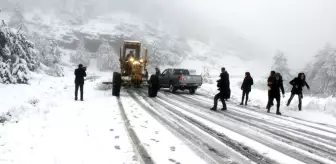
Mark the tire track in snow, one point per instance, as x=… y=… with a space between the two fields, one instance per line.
x=137 y=146
x=243 y=149
x=202 y=144
x=315 y=125
x=270 y=142
x=313 y=132
x=311 y=135
x=302 y=143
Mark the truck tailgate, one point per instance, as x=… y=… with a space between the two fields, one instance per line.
x=192 y=79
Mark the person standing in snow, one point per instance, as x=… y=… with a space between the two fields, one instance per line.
x=157 y=72
x=268 y=84
x=223 y=85
x=154 y=85
x=275 y=84
x=246 y=87
x=298 y=83
x=80 y=73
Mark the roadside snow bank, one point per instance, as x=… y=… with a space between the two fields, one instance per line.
x=47 y=126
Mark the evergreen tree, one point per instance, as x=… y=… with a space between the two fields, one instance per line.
x=18 y=56
x=20 y=71
x=206 y=75
x=17 y=19
x=5 y=73
x=322 y=71
x=107 y=58
x=81 y=56
x=280 y=65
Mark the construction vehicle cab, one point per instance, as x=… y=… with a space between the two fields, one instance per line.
x=133 y=67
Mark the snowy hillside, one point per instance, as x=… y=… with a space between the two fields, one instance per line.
x=166 y=49
x=41 y=123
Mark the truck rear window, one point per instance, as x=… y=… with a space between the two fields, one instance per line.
x=181 y=72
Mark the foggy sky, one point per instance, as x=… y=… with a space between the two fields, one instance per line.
x=297 y=27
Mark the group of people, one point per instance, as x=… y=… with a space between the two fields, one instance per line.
x=274 y=83
x=275 y=88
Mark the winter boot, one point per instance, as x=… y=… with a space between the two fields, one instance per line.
x=213 y=109
x=76 y=98
x=241 y=103
x=278 y=111
x=268 y=110
x=224 y=108
x=300 y=107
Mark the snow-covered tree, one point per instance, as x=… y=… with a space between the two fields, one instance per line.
x=81 y=56
x=50 y=54
x=17 y=19
x=107 y=58
x=20 y=71
x=206 y=75
x=17 y=56
x=5 y=72
x=280 y=65
x=322 y=71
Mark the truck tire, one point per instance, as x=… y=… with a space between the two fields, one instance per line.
x=116 y=84
x=192 y=90
x=150 y=91
x=172 y=88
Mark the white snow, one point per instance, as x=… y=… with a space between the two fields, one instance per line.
x=260 y=148
x=53 y=128
x=163 y=146
x=320 y=110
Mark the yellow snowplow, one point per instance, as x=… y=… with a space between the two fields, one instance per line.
x=133 y=67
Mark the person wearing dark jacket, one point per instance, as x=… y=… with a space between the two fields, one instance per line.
x=157 y=72
x=223 y=85
x=246 y=87
x=154 y=86
x=275 y=85
x=298 y=83
x=80 y=73
x=269 y=91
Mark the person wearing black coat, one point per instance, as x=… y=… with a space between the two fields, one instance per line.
x=298 y=83
x=154 y=85
x=275 y=85
x=157 y=72
x=80 y=73
x=246 y=87
x=223 y=85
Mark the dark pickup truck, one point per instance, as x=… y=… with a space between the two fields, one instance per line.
x=175 y=79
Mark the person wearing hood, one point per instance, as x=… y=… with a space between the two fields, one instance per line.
x=223 y=85
x=246 y=87
x=298 y=83
x=275 y=85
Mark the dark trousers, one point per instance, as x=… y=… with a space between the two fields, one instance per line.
x=245 y=93
x=271 y=98
x=81 y=86
x=300 y=100
x=220 y=97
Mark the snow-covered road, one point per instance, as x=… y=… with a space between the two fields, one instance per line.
x=172 y=128
x=239 y=134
